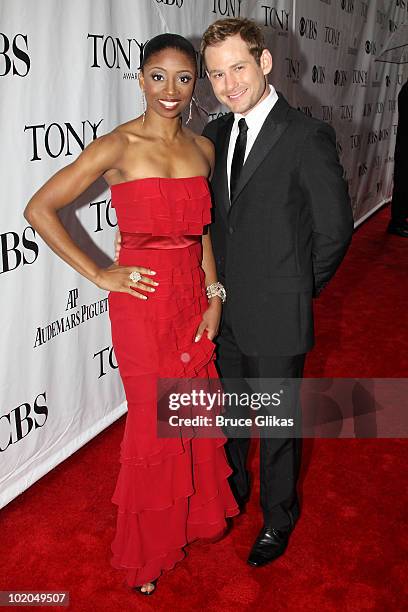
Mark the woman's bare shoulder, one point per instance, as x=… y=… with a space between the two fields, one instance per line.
x=103 y=153
x=129 y=130
x=206 y=147
x=115 y=142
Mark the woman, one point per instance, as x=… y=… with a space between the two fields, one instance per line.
x=169 y=491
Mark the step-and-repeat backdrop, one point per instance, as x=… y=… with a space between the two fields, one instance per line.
x=68 y=74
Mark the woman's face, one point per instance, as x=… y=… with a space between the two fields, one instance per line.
x=168 y=80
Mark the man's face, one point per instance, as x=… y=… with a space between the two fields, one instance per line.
x=237 y=80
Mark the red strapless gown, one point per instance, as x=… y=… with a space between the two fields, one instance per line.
x=169 y=491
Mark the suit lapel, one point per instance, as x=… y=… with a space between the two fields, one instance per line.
x=222 y=153
x=274 y=126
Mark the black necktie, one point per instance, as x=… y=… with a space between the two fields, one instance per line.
x=238 y=158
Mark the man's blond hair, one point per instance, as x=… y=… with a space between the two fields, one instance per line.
x=222 y=29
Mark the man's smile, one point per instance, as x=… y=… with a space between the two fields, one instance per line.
x=238 y=95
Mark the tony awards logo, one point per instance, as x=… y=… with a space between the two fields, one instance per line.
x=116 y=53
x=56 y=139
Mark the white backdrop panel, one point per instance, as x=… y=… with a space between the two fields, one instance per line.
x=68 y=74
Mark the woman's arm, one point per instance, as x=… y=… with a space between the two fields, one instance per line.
x=208 y=262
x=62 y=189
x=212 y=316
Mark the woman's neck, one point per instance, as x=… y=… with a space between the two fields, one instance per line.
x=160 y=127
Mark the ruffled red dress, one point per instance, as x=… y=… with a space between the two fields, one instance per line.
x=170 y=491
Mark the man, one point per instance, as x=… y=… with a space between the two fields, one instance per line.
x=282 y=225
x=399 y=206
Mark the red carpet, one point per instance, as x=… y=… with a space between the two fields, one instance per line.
x=347 y=552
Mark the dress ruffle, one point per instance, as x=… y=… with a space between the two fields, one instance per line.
x=162 y=206
x=170 y=491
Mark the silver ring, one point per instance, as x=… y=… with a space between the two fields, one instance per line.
x=135 y=276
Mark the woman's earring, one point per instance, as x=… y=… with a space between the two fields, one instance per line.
x=190 y=114
x=144 y=107
x=198 y=106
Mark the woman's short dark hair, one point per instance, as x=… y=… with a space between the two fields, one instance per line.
x=168 y=41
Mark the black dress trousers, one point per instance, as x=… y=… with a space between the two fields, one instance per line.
x=280 y=457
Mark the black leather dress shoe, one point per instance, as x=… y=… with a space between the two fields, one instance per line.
x=399 y=228
x=269 y=545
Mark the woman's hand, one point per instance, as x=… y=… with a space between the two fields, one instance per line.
x=211 y=320
x=116 y=278
x=118 y=246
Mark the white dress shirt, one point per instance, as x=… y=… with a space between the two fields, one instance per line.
x=254 y=120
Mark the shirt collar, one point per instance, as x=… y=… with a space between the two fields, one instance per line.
x=258 y=114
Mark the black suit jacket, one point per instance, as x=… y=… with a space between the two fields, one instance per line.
x=286 y=231
x=399 y=205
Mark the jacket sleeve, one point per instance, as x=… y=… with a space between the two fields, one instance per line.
x=326 y=191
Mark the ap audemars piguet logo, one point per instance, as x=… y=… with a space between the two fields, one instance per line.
x=75 y=315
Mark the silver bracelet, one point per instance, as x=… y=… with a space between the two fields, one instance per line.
x=216 y=289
